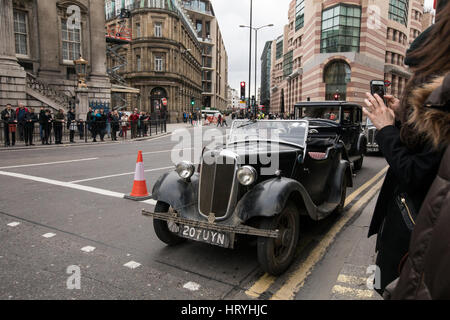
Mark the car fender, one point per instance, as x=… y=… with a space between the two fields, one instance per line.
x=175 y=191
x=268 y=198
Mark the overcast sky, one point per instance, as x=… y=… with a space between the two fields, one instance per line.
x=232 y=13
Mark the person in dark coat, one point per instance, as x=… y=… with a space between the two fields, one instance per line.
x=9 y=121
x=30 y=120
x=424 y=274
x=21 y=111
x=414 y=160
x=71 y=124
x=46 y=120
x=58 y=124
x=95 y=125
x=114 y=125
x=89 y=121
x=102 y=120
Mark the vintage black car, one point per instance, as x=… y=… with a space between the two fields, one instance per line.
x=371 y=133
x=268 y=174
x=337 y=118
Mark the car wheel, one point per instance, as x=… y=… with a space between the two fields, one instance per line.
x=340 y=208
x=357 y=165
x=161 y=227
x=276 y=255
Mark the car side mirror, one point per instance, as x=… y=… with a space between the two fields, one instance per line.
x=300 y=159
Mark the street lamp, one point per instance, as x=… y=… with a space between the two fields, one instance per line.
x=256 y=57
x=81 y=69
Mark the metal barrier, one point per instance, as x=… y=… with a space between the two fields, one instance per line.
x=84 y=131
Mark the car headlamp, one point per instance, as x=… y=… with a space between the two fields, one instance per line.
x=185 y=169
x=246 y=175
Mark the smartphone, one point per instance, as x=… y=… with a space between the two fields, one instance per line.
x=378 y=87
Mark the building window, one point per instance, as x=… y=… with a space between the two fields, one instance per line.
x=199 y=26
x=158 y=29
x=398 y=11
x=21 y=32
x=279 y=49
x=71 y=42
x=288 y=63
x=299 y=14
x=138 y=63
x=138 y=30
x=159 y=63
x=336 y=76
x=341 y=27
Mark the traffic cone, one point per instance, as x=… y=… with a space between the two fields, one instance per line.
x=139 y=192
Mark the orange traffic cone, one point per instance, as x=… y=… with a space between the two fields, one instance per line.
x=139 y=192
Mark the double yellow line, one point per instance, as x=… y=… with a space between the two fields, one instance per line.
x=297 y=278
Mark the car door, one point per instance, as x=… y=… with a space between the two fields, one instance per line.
x=351 y=127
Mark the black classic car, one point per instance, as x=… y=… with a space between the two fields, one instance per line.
x=337 y=118
x=258 y=184
x=371 y=132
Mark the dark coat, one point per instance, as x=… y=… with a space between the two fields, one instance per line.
x=425 y=274
x=411 y=172
x=8 y=116
x=70 y=117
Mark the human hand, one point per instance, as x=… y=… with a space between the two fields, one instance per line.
x=394 y=104
x=380 y=115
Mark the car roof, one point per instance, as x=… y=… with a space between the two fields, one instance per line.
x=327 y=103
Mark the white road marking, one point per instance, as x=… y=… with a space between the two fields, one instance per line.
x=132 y=265
x=47 y=163
x=166 y=151
x=88 y=249
x=13 y=224
x=354 y=293
x=359 y=281
x=119 y=175
x=49 y=235
x=64 y=184
x=192 y=286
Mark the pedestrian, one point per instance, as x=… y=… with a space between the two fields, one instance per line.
x=71 y=124
x=114 y=125
x=413 y=159
x=30 y=120
x=95 y=122
x=81 y=128
x=219 y=120
x=102 y=121
x=41 y=125
x=124 y=125
x=424 y=274
x=47 y=126
x=20 y=116
x=58 y=124
x=108 y=124
x=134 y=118
x=9 y=125
x=89 y=120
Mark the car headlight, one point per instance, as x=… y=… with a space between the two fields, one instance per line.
x=246 y=175
x=185 y=169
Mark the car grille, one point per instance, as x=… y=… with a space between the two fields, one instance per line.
x=372 y=133
x=216 y=184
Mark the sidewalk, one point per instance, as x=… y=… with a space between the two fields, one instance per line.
x=344 y=271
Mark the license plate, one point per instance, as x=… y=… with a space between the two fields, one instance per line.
x=216 y=238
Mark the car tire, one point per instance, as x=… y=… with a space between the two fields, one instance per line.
x=341 y=207
x=357 y=165
x=276 y=255
x=161 y=227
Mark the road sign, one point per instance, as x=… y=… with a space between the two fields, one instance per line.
x=387 y=83
x=164 y=102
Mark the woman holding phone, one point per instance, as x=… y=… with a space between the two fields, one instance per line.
x=411 y=153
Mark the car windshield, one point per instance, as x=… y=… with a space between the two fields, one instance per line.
x=284 y=131
x=328 y=113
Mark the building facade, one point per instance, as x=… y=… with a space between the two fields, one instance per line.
x=40 y=41
x=266 y=64
x=164 y=58
x=214 y=54
x=336 y=47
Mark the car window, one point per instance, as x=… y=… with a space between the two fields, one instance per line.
x=327 y=113
x=348 y=116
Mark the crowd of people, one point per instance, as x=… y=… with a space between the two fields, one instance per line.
x=20 y=123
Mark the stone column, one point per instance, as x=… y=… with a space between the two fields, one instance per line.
x=12 y=75
x=82 y=96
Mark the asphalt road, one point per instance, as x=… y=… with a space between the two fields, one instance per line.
x=61 y=209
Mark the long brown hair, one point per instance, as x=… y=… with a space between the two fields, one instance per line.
x=434 y=57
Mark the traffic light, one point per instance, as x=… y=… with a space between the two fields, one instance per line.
x=242 y=91
x=337 y=96
x=193 y=101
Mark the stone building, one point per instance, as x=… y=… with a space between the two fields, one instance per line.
x=337 y=47
x=214 y=54
x=40 y=41
x=164 y=58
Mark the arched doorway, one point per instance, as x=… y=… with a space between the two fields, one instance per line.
x=336 y=76
x=156 y=106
